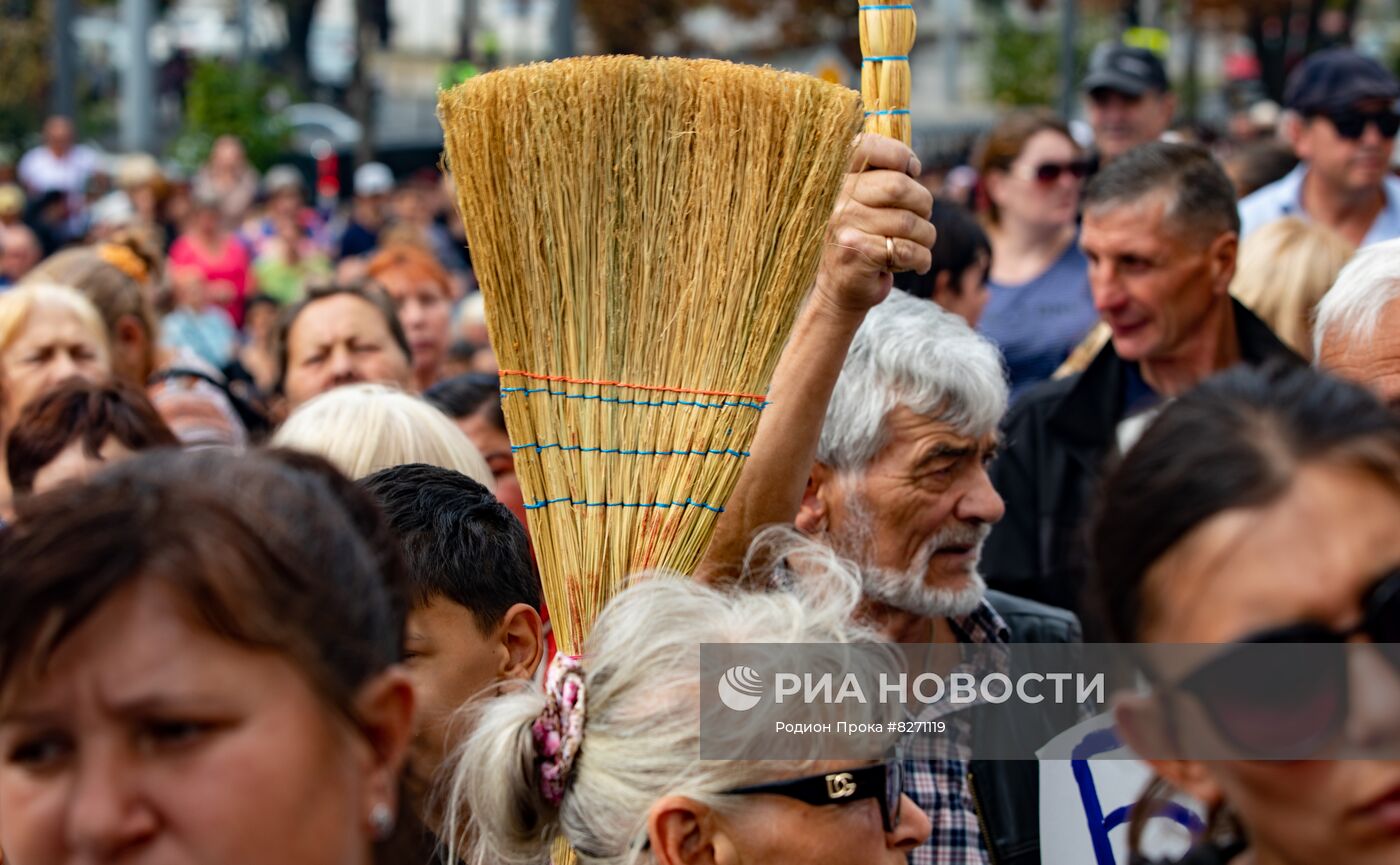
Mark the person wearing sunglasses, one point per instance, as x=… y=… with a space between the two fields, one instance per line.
x=1257 y=516
x=608 y=757
x=1039 y=306
x=1342 y=125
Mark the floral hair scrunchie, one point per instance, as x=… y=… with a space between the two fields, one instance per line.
x=558 y=731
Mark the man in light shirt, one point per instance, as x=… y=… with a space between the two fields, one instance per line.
x=1342 y=127
x=59 y=163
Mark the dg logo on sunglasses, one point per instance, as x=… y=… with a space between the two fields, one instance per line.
x=840 y=785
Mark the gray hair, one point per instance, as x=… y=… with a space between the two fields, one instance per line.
x=1202 y=196
x=911 y=353
x=1352 y=309
x=641 y=667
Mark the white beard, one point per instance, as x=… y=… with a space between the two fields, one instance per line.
x=906 y=589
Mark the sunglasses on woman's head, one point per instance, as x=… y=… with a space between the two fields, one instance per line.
x=1050 y=172
x=1284 y=693
x=1351 y=125
x=883 y=781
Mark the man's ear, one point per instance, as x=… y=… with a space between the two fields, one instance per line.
x=1140 y=723
x=1224 y=253
x=521 y=642
x=384 y=708
x=1168 y=108
x=814 y=515
x=685 y=832
x=1293 y=129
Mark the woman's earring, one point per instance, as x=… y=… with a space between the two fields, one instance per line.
x=382 y=821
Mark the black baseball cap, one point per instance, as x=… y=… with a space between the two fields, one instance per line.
x=1125 y=69
x=1335 y=80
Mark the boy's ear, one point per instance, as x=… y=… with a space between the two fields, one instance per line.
x=521 y=642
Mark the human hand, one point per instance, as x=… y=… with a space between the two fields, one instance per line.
x=880 y=226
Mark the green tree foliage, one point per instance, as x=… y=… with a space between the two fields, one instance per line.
x=1023 y=65
x=224 y=99
x=25 y=71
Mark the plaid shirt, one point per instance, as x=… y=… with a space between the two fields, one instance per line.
x=939 y=786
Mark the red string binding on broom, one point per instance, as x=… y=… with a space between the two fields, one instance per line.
x=652 y=387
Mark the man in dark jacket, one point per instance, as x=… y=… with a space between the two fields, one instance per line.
x=1161 y=232
x=900 y=487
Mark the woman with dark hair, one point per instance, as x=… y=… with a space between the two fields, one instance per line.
x=201 y=665
x=73 y=430
x=340 y=335
x=1259 y=510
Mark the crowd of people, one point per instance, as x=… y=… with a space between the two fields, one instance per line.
x=269 y=590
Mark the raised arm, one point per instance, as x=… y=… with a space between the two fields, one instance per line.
x=881 y=199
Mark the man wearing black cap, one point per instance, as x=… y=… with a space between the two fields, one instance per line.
x=1343 y=130
x=1128 y=98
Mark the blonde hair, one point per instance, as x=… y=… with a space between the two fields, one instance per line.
x=18 y=304
x=16 y=307
x=363 y=428
x=1284 y=270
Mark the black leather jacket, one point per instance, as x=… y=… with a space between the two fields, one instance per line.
x=1007 y=792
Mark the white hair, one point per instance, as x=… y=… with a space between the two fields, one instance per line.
x=911 y=353
x=642 y=673
x=1352 y=309
x=363 y=428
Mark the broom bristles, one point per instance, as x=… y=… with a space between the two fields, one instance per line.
x=887 y=31
x=644 y=232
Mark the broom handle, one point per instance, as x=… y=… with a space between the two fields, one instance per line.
x=886 y=38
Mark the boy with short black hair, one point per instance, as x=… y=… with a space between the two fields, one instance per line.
x=475 y=597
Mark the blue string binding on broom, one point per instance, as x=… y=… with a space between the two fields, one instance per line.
x=688 y=503
x=539 y=448
x=730 y=399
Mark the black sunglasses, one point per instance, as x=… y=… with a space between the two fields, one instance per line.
x=1049 y=172
x=1284 y=693
x=883 y=781
x=1351 y=125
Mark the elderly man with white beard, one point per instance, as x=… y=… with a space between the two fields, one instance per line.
x=900 y=487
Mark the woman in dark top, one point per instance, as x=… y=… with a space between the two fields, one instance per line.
x=1040 y=307
x=1259 y=511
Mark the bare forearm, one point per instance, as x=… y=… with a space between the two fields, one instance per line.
x=880 y=226
x=770 y=489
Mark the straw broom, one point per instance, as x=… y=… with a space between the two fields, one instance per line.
x=887 y=33
x=644 y=232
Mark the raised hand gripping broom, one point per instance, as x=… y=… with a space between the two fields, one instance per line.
x=644 y=232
